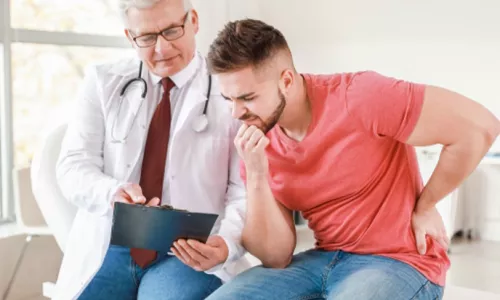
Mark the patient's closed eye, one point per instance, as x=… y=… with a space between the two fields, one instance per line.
x=246 y=99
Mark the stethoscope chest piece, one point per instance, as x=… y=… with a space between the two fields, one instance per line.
x=200 y=123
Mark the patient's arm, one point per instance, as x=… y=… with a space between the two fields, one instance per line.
x=466 y=130
x=269 y=232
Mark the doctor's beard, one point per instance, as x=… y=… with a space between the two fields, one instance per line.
x=267 y=125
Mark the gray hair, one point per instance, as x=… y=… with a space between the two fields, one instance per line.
x=125 y=5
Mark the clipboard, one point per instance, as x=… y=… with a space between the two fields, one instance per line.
x=157 y=228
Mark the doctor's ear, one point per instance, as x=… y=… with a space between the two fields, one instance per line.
x=193 y=19
x=129 y=36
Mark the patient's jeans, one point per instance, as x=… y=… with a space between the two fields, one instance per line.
x=332 y=275
x=167 y=278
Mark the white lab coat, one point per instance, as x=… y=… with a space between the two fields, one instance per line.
x=203 y=168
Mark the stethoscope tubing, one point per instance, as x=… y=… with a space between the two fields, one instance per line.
x=143 y=96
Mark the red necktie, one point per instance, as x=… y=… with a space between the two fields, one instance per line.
x=153 y=164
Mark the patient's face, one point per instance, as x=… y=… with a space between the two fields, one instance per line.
x=255 y=98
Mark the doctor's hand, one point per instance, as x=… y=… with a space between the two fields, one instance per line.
x=251 y=143
x=132 y=193
x=199 y=256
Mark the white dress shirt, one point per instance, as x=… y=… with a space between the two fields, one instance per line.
x=178 y=93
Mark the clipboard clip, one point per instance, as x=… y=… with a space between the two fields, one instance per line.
x=170 y=207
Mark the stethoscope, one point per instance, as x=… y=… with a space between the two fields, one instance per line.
x=198 y=125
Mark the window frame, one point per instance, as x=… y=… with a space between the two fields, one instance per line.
x=8 y=36
x=7 y=202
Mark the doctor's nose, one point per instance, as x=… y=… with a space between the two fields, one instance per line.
x=162 y=44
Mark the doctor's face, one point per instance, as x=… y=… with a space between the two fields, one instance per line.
x=255 y=98
x=163 y=35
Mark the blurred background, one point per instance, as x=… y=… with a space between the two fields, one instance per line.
x=46 y=45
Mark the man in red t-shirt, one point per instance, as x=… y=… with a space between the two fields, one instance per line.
x=340 y=149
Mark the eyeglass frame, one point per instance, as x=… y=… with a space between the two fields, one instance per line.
x=161 y=32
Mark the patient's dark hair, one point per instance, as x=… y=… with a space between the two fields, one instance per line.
x=244 y=43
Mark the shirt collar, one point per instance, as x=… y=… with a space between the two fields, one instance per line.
x=184 y=75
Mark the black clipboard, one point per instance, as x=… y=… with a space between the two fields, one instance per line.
x=155 y=228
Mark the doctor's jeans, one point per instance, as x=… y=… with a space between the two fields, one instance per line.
x=166 y=278
x=331 y=275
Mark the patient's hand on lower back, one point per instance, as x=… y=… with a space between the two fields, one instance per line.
x=429 y=222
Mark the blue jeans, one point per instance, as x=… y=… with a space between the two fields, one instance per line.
x=166 y=278
x=331 y=275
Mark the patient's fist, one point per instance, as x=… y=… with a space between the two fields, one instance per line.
x=251 y=144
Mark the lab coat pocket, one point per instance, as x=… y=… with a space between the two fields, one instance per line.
x=217 y=154
x=210 y=161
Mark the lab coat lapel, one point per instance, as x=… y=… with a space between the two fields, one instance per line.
x=183 y=133
x=137 y=137
x=191 y=106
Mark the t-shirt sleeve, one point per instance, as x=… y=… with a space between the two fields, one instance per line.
x=386 y=107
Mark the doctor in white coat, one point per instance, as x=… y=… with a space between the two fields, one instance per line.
x=102 y=156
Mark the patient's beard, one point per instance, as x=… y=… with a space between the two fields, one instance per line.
x=267 y=125
x=276 y=115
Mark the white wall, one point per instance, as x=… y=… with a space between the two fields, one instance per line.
x=450 y=43
x=454 y=44
x=214 y=14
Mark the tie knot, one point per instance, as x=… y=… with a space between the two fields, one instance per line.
x=167 y=83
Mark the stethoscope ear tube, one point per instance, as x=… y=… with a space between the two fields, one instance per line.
x=139 y=78
x=201 y=121
x=209 y=90
x=199 y=124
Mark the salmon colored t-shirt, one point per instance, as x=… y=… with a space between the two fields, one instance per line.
x=352 y=176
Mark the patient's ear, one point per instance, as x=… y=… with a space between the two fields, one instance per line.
x=287 y=79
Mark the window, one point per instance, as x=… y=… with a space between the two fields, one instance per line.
x=45 y=81
x=3 y=204
x=45 y=47
x=89 y=16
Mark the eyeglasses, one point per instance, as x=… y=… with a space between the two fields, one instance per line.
x=169 y=34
